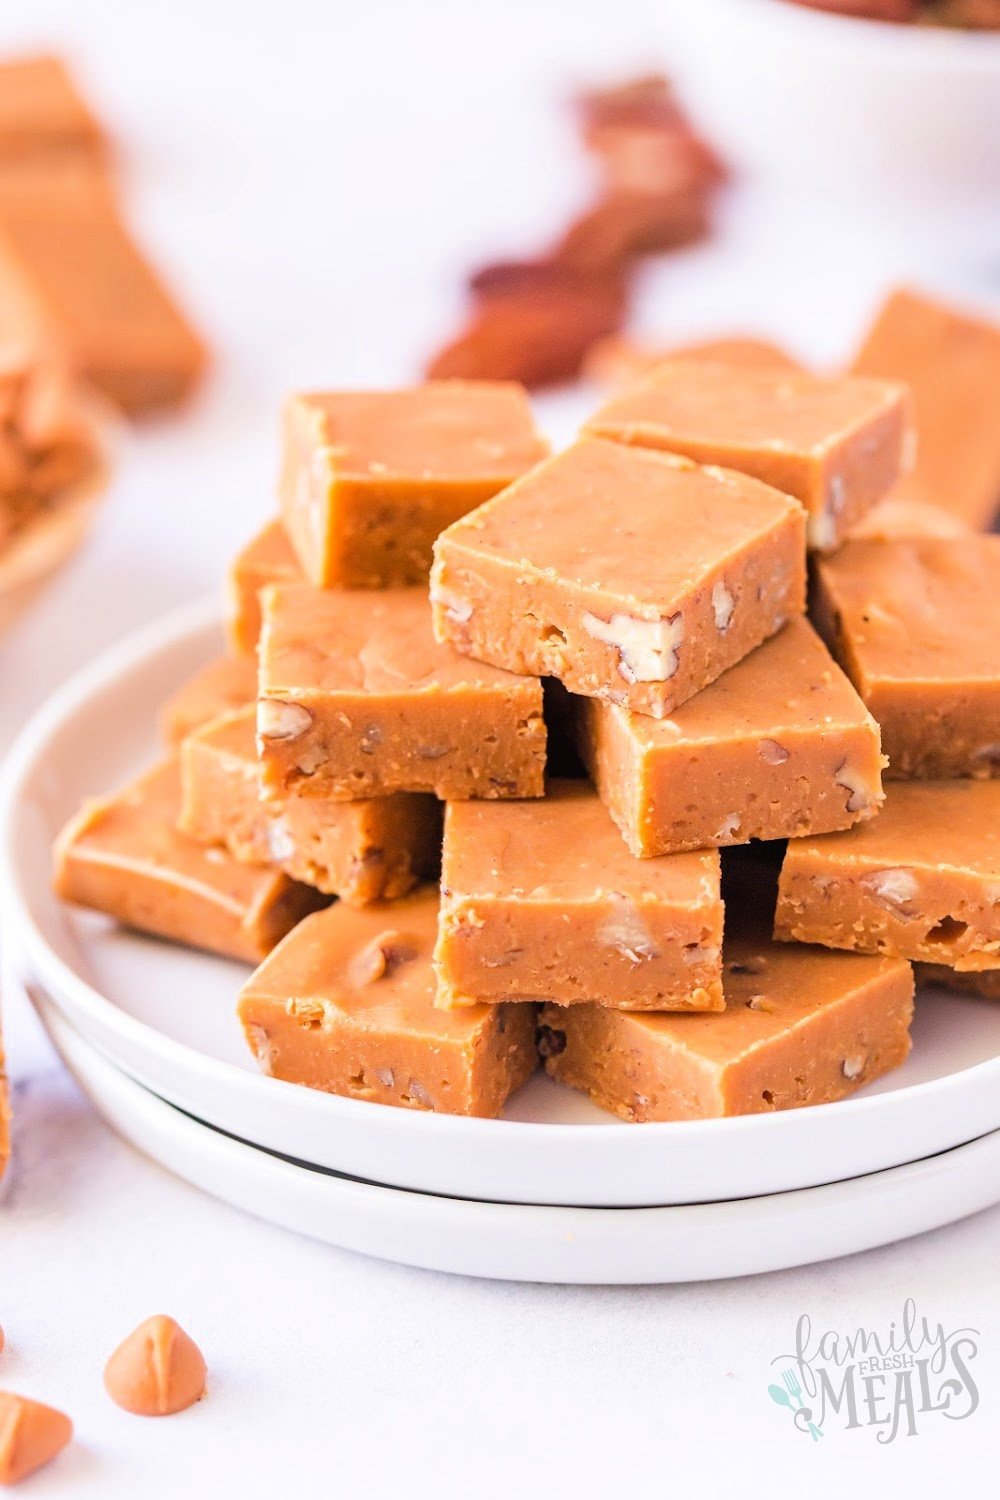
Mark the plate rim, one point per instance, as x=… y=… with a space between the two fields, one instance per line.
x=181 y=625
x=558 y=1224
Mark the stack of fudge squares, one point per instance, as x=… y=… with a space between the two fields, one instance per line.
x=674 y=877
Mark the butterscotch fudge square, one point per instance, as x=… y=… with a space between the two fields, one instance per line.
x=541 y=900
x=371 y=850
x=347 y=1005
x=801 y=1026
x=633 y=577
x=124 y=855
x=951 y=362
x=920 y=881
x=779 y=746
x=369 y=478
x=228 y=683
x=837 y=444
x=267 y=558
x=357 y=699
x=915 y=623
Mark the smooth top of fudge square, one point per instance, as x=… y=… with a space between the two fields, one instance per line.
x=785 y=411
x=365 y=641
x=639 y=527
x=791 y=682
x=565 y=848
x=371 y=964
x=448 y=430
x=938 y=825
x=917 y=609
x=770 y=989
x=137 y=829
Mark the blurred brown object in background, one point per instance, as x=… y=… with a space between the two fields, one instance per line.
x=48 y=443
x=623 y=226
x=974 y=15
x=532 y=321
x=643 y=141
x=535 y=320
x=71 y=277
x=42 y=111
x=53 y=469
x=867 y=10
x=951 y=362
x=618 y=362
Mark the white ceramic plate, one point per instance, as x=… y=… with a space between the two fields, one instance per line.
x=165 y=1016
x=515 y=1242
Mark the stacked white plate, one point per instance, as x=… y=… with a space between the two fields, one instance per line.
x=554 y=1191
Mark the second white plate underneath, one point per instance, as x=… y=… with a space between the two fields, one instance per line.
x=166 y=1017
x=523 y=1242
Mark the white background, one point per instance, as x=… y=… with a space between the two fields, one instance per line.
x=315 y=177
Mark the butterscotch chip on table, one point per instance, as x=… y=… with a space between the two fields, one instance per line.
x=920 y=881
x=346 y=1004
x=267 y=558
x=369 y=478
x=951 y=362
x=157 y=1371
x=838 y=445
x=124 y=856
x=222 y=686
x=42 y=111
x=357 y=699
x=31 y=1436
x=634 y=577
x=915 y=623
x=74 y=280
x=541 y=900
x=801 y=1026
x=373 y=849
x=778 y=746
x=620 y=362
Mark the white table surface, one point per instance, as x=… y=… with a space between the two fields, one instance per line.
x=315 y=177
